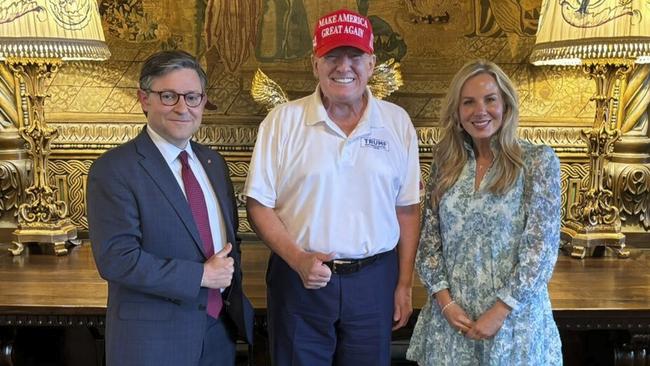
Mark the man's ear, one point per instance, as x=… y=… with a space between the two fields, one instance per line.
x=373 y=62
x=143 y=98
x=314 y=65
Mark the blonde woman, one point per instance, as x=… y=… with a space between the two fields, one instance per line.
x=490 y=233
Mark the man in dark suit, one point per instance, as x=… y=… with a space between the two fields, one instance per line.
x=163 y=220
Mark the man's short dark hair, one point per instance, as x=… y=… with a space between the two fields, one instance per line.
x=164 y=62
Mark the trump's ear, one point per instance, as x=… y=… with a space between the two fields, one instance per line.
x=372 y=63
x=314 y=65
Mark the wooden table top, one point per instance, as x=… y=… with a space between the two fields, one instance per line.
x=45 y=284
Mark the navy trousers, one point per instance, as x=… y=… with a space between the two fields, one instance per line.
x=346 y=323
x=218 y=343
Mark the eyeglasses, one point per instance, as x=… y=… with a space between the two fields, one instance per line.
x=170 y=98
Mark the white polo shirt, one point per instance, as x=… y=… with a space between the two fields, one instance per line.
x=336 y=193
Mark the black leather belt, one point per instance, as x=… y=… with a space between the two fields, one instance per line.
x=347 y=266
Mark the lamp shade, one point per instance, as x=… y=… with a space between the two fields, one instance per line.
x=62 y=29
x=573 y=32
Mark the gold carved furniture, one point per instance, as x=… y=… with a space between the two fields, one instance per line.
x=607 y=39
x=35 y=39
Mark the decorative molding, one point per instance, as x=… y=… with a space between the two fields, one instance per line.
x=631 y=186
x=240 y=198
x=228 y=137
x=562 y=139
x=573 y=179
x=96 y=136
x=238 y=170
x=234 y=138
x=631 y=320
x=12 y=186
x=69 y=176
x=244 y=225
x=52 y=320
x=241 y=138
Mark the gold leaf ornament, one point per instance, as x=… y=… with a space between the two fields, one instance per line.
x=267 y=92
x=386 y=79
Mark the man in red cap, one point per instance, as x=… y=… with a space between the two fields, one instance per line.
x=333 y=190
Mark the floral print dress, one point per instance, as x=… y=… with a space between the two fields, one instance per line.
x=484 y=247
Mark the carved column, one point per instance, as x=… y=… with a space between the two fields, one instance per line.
x=14 y=173
x=15 y=164
x=628 y=172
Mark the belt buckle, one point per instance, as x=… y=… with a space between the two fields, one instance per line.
x=337 y=262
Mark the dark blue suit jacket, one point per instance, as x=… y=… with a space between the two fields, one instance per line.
x=146 y=245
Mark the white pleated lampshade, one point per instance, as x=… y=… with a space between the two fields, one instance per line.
x=582 y=32
x=66 y=30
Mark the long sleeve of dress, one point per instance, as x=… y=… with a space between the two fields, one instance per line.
x=538 y=248
x=429 y=261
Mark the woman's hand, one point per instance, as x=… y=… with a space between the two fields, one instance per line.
x=457 y=318
x=454 y=313
x=490 y=322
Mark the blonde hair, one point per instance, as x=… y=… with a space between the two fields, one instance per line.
x=450 y=154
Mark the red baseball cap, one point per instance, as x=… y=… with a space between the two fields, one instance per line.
x=342 y=28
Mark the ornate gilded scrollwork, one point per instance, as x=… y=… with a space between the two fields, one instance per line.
x=595 y=222
x=635 y=100
x=597 y=207
x=628 y=172
x=42 y=205
x=99 y=137
x=41 y=218
x=238 y=170
x=240 y=198
x=11 y=187
x=8 y=98
x=573 y=178
x=634 y=184
x=70 y=176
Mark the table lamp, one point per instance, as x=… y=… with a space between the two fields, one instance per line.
x=607 y=39
x=36 y=37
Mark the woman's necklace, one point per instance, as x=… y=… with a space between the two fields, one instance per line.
x=481 y=169
x=483 y=166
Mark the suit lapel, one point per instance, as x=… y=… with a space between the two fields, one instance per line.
x=216 y=173
x=156 y=166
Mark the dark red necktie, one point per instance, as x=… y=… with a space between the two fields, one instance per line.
x=200 y=212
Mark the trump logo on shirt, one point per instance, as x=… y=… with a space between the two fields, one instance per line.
x=374 y=143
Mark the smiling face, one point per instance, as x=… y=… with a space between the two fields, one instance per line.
x=481 y=107
x=343 y=74
x=176 y=123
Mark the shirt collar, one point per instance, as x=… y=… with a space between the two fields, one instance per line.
x=316 y=112
x=168 y=150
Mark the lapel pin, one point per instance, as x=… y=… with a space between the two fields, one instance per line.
x=209 y=161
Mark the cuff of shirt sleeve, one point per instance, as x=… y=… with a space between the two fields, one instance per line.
x=508 y=300
x=439 y=286
x=259 y=197
x=408 y=201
